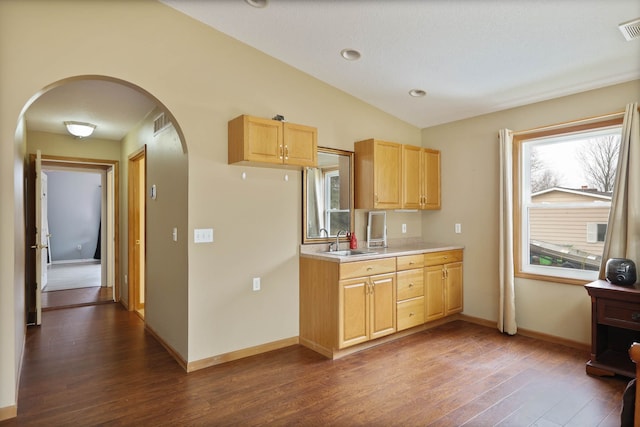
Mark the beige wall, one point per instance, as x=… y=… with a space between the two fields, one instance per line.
x=204 y=79
x=53 y=144
x=470 y=185
x=166 y=305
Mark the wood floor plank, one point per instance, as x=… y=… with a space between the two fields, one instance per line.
x=96 y=365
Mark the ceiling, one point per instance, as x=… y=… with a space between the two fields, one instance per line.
x=471 y=57
x=114 y=108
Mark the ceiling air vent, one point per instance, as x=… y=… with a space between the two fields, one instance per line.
x=630 y=30
x=161 y=122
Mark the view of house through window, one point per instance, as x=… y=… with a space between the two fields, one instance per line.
x=337 y=219
x=565 y=190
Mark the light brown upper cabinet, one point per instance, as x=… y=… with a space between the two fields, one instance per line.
x=378 y=174
x=263 y=142
x=420 y=178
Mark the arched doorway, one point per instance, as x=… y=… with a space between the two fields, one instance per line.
x=124 y=116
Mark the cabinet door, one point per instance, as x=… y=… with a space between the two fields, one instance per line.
x=411 y=177
x=431 y=179
x=387 y=175
x=433 y=292
x=263 y=140
x=382 y=309
x=353 y=311
x=300 y=145
x=453 y=288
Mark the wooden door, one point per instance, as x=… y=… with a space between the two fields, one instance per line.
x=387 y=175
x=411 y=177
x=433 y=292
x=300 y=145
x=263 y=140
x=453 y=288
x=136 y=229
x=382 y=308
x=353 y=306
x=431 y=179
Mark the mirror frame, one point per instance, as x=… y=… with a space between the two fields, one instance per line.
x=311 y=240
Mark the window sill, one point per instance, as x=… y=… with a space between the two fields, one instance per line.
x=552 y=279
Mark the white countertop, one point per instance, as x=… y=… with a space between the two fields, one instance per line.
x=318 y=251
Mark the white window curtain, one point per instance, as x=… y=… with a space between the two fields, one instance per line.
x=623 y=232
x=507 y=313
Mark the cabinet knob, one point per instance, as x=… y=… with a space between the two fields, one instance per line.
x=635 y=316
x=411 y=314
x=281 y=152
x=411 y=285
x=369 y=268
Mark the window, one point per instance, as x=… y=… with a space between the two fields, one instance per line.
x=563 y=196
x=596 y=232
x=336 y=219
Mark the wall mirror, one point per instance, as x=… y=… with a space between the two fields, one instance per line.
x=377 y=229
x=327 y=200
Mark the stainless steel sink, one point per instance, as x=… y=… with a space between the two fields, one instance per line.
x=350 y=252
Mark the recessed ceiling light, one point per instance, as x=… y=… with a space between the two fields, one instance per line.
x=350 y=54
x=417 y=93
x=257 y=3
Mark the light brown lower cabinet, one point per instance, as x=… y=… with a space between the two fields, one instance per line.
x=443 y=284
x=410 y=295
x=346 y=304
x=367 y=308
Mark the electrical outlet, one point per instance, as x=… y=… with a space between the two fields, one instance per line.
x=404 y=228
x=458 y=228
x=256 y=283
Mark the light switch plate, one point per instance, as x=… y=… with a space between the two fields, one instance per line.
x=203 y=235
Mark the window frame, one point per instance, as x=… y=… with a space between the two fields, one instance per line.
x=518 y=205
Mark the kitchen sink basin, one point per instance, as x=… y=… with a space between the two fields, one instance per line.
x=350 y=252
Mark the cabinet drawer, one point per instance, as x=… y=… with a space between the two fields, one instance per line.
x=410 y=313
x=410 y=261
x=410 y=284
x=619 y=313
x=367 y=268
x=444 y=257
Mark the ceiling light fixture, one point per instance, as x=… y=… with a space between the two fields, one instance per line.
x=417 y=93
x=257 y=3
x=79 y=129
x=350 y=54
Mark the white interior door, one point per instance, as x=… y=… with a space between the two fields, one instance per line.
x=42 y=235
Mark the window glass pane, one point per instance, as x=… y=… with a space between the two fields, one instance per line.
x=566 y=190
x=338 y=220
x=334 y=190
x=602 y=232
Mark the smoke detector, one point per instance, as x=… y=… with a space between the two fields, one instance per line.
x=631 y=29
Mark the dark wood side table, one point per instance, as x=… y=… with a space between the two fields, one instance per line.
x=615 y=325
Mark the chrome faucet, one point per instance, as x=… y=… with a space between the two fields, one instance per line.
x=325 y=232
x=337 y=242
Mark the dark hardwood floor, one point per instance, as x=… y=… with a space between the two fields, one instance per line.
x=96 y=365
x=55 y=300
